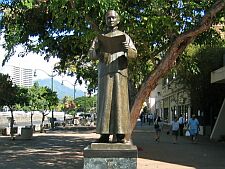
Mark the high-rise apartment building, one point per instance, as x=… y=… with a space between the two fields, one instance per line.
x=20 y=76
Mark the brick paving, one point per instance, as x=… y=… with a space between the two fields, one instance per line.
x=63 y=149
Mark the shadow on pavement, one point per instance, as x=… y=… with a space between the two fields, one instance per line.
x=44 y=151
x=63 y=149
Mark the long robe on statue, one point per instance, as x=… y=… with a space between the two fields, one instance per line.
x=113 y=114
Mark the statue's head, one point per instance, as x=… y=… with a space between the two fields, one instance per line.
x=112 y=18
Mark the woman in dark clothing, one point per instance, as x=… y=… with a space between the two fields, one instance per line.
x=157 y=128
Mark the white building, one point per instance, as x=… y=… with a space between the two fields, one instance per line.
x=20 y=76
x=171 y=100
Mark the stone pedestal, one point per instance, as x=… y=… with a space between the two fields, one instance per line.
x=110 y=156
x=26 y=133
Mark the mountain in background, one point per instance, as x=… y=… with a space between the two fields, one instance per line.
x=61 y=90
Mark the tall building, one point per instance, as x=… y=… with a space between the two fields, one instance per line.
x=20 y=76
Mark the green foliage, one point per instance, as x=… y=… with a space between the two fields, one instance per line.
x=194 y=72
x=196 y=64
x=187 y=66
x=68 y=105
x=42 y=98
x=65 y=29
x=11 y=95
x=86 y=104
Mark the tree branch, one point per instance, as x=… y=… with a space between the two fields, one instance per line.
x=176 y=48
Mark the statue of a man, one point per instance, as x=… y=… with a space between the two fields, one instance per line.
x=113 y=114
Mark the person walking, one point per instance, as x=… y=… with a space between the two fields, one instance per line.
x=175 y=129
x=150 y=118
x=157 y=126
x=181 y=125
x=193 y=127
x=141 y=118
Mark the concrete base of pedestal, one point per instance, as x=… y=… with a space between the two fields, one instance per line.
x=110 y=156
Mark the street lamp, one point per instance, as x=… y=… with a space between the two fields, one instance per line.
x=74 y=88
x=74 y=93
x=85 y=103
x=52 y=76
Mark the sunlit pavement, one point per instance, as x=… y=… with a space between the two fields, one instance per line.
x=183 y=155
x=63 y=149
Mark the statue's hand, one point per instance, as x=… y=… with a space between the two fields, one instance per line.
x=97 y=45
x=126 y=46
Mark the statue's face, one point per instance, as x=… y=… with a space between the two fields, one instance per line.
x=112 y=19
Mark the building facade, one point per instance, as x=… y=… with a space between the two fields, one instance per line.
x=20 y=76
x=171 y=100
x=218 y=132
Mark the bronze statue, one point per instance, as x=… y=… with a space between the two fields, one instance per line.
x=113 y=49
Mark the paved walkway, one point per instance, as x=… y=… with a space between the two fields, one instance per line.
x=184 y=155
x=62 y=149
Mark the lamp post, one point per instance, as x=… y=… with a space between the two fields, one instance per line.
x=74 y=88
x=74 y=93
x=85 y=103
x=51 y=76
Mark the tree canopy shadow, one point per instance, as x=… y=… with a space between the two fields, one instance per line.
x=51 y=150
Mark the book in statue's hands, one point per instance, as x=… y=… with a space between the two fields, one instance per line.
x=111 y=44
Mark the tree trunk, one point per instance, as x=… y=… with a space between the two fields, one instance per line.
x=31 y=119
x=64 y=119
x=176 y=48
x=11 y=125
x=42 y=122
